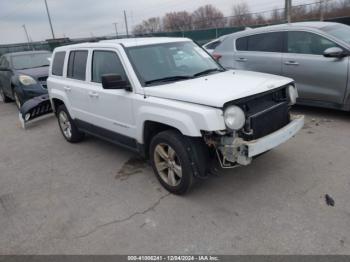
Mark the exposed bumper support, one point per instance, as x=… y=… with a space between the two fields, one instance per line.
x=275 y=139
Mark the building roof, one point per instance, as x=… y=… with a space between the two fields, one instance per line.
x=27 y=53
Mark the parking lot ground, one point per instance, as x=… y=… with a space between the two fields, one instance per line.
x=96 y=198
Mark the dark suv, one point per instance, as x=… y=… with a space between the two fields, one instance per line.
x=23 y=75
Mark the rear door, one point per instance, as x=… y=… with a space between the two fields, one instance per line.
x=318 y=78
x=259 y=52
x=75 y=84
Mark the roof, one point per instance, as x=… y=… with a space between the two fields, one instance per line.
x=298 y=25
x=27 y=53
x=127 y=42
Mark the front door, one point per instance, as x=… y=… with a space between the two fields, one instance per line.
x=110 y=109
x=317 y=78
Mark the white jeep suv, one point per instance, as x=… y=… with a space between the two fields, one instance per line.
x=167 y=99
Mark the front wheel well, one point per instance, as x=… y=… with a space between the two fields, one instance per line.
x=151 y=129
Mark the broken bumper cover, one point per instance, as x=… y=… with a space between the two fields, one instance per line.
x=240 y=152
x=275 y=139
x=35 y=108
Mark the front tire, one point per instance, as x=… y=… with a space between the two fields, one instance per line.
x=67 y=126
x=4 y=98
x=173 y=159
x=18 y=100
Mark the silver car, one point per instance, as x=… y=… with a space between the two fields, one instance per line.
x=314 y=54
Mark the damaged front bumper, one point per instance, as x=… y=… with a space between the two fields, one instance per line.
x=236 y=151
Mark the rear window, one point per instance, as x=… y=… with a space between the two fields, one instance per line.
x=268 y=42
x=213 y=45
x=57 y=64
x=77 y=65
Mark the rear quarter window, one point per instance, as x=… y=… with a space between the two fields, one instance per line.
x=213 y=45
x=57 y=63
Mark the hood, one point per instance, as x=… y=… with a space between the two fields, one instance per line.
x=217 y=89
x=35 y=72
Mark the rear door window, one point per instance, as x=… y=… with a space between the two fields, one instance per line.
x=77 y=65
x=242 y=44
x=267 y=42
x=57 y=64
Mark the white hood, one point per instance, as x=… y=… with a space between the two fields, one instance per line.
x=217 y=89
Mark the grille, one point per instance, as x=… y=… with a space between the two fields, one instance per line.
x=268 y=121
x=265 y=114
x=42 y=80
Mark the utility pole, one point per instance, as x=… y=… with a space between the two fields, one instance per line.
x=322 y=9
x=25 y=30
x=126 y=24
x=288 y=11
x=49 y=17
x=116 y=29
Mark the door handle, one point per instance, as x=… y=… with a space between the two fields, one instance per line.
x=295 y=63
x=242 y=59
x=67 y=89
x=93 y=94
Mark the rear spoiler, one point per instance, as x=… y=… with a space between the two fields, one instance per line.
x=35 y=108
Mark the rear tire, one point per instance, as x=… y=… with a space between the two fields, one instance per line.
x=174 y=160
x=4 y=98
x=67 y=126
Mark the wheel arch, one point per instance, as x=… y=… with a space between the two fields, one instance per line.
x=151 y=129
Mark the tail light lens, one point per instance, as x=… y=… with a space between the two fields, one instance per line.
x=217 y=56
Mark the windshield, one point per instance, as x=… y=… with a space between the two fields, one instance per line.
x=170 y=62
x=30 y=60
x=339 y=31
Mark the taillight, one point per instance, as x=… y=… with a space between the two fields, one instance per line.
x=217 y=56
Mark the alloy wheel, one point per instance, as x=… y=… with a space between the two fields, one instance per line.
x=168 y=164
x=65 y=124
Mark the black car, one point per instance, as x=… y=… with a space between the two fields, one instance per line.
x=23 y=75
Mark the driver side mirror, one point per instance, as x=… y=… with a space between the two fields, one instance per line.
x=114 y=81
x=335 y=52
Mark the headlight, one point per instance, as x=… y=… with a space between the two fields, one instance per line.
x=293 y=94
x=234 y=118
x=26 y=80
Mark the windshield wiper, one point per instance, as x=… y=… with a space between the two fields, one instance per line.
x=208 y=71
x=40 y=66
x=167 y=79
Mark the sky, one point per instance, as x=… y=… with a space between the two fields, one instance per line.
x=84 y=18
